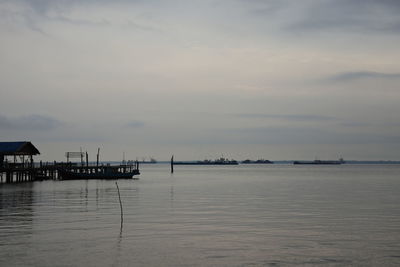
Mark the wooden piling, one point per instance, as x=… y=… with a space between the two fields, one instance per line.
x=98 y=155
x=87 y=160
x=172 y=164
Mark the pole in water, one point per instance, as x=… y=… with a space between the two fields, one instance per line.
x=98 y=155
x=120 y=204
x=172 y=164
x=81 y=157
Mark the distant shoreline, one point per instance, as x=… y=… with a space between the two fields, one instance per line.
x=348 y=162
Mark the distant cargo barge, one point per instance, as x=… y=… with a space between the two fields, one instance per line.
x=259 y=161
x=320 y=162
x=220 y=161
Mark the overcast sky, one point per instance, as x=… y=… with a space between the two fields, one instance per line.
x=273 y=79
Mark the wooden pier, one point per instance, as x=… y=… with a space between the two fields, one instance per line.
x=15 y=173
x=16 y=165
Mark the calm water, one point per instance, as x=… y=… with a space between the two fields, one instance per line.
x=271 y=215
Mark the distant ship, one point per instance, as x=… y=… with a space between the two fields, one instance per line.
x=151 y=161
x=220 y=161
x=321 y=162
x=259 y=161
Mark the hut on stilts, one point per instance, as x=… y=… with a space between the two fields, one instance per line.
x=16 y=161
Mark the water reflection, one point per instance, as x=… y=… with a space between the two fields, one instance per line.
x=171 y=193
x=16 y=204
x=118 y=247
x=16 y=217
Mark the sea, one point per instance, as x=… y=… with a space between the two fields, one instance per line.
x=245 y=215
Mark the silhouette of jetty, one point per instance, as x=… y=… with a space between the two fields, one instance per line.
x=17 y=165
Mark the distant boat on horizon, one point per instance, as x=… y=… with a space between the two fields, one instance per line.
x=259 y=161
x=320 y=162
x=220 y=161
x=151 y=161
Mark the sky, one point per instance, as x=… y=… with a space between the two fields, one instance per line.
x=242 y=79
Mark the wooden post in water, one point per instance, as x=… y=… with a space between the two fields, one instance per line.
x=98 y=155
x=87 y=162
x=97 y=162
x=53 y=170
x=172 y=164
x=81 y=158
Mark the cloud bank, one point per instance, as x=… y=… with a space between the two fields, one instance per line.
x=360 y=75
x=29 y=123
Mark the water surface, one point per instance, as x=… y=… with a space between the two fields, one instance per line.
x=246 y=215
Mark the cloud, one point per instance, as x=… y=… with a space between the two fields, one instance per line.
x=356 y=124
x=135 y=124
x=290 y=117
x=262 y=7
x=15 y=13
x=29 y=123
x=293 y=16
x=305 y=135
x=327 y=16
x=361 y=16
x=35 y=15
x=44 y=6
x=80 y=22
x=359 y=75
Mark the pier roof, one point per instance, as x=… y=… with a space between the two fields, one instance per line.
x=18 y=148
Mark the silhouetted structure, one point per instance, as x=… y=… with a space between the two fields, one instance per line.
x=16 y=161
x=16 y=165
